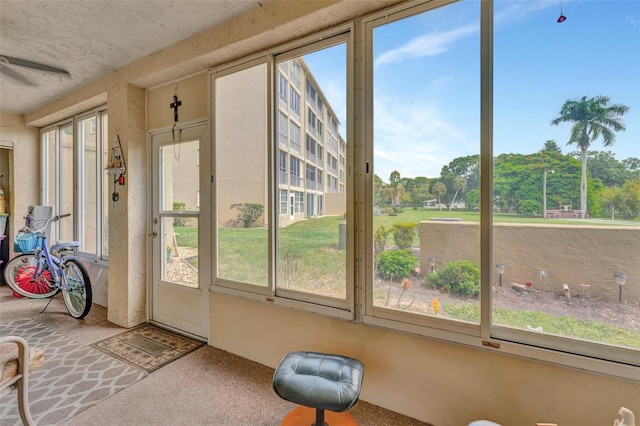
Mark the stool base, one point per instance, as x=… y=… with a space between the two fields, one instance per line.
x=305 y=416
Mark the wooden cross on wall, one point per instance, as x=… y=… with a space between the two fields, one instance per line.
x=175 y=104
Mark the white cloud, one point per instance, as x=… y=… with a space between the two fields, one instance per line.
x=414 y=139
x=426 y=45
x=517 y=10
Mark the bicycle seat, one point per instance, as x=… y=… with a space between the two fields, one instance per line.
x=65 y=245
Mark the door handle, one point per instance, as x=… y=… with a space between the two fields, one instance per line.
x=154 y=234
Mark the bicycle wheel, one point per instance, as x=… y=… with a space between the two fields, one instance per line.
x=77 y=295
x=19 y=275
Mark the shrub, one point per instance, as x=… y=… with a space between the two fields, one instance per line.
x=403 y=234
x=249 y=212
x=459 y=277
x=395 y=264
x=380 y=239
x=179 y=206
x=529 y=208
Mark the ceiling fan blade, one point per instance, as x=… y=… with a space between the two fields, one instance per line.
x=34 y=65
x=14 y=75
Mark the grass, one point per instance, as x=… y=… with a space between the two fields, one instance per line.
x=308 y=251
x=559 y=325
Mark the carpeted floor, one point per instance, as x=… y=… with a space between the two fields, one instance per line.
x=147 y=347
x=73 y=377
x=206 y=387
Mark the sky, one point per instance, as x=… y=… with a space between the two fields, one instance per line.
x=427 y=88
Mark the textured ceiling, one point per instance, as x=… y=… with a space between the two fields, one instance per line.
x=91 y=38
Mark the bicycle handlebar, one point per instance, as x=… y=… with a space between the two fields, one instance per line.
x=44 y=227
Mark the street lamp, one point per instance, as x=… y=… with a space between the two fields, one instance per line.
x=500 y=267
x=544 y=191
x=432 y=263
x=621 y=279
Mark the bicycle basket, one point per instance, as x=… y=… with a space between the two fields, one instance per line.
x=28 y=242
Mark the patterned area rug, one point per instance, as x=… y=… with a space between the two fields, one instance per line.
x=147 y=347
x=73 y=377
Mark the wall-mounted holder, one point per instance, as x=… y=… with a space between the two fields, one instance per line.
x=116 y=167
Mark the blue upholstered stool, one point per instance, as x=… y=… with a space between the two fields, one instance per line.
x=320 y=381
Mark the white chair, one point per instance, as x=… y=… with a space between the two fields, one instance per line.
x=17 y=360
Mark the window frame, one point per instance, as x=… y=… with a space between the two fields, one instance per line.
x=558 y=350
x=310 y=302
x=99 y=116
x=359 y=175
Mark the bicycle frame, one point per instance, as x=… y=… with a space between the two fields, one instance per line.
x=54 y=262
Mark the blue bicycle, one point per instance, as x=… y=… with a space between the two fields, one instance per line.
x=40 y=272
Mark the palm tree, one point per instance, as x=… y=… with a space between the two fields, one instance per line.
x=459 y=184
x=396 y=185
x=591 y=118
x=439 y=189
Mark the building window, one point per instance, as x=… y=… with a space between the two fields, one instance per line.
x=294 y=138
x=295 y=74
x=282 y=88
x=283 y=197
x=311 y=177
x=282 y=167
x=294 y=174
x=283 y=124
x=311 y=93
x=298 y=202
x=294 y=101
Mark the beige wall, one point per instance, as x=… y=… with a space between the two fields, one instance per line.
x=441 y=383
x=335 y=203
x=569 y=254
x=192 y=92
x=24 y=175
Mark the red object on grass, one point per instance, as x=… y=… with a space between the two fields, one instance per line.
x=527 y=283
x=38 y=286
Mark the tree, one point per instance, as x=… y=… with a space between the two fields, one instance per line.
x=604 y=166
x=459 y=184
x=396 y=185
x=439 y=189
x=551 y=146
x=612 y=198
x=378 y=190
x=592 y=118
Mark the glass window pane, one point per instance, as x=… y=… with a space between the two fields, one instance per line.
x=180 y=262
x=181 y=176
x=311 y=250
x=241 y=176
x=106 y=194
x=87 y=138
x=49 y=184
x=566 y=172
x=65 y=183
x=426 y=129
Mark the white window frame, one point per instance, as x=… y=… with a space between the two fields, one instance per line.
x=359 y=174
x=78 y=180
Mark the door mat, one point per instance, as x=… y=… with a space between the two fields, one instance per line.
x=147 y=347
x=73 y=377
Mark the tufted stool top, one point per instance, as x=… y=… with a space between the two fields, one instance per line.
x=317 y=380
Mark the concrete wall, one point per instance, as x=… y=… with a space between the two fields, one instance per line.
x=568 y=254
